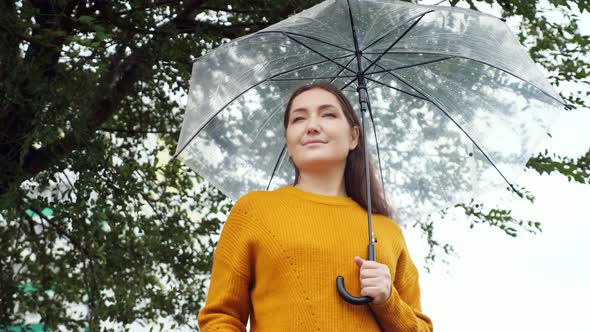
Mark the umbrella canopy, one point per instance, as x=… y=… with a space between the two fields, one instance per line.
x=456 y=104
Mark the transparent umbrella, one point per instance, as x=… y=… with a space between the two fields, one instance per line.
x=451 y=104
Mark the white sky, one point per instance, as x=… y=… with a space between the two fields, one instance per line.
x=529 y=283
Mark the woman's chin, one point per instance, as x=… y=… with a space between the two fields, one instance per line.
x=318 y=162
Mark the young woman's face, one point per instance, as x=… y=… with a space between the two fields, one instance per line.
x=318 y=134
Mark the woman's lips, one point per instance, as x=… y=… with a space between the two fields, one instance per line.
x=314 y=142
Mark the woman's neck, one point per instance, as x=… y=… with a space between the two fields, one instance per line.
x=329 y=183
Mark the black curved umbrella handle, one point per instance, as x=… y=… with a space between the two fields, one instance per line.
x=356 y=300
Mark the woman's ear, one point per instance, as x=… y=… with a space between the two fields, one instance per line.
x=354 y=137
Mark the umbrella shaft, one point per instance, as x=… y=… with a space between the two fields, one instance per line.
x=363 y=98
x=362 y=92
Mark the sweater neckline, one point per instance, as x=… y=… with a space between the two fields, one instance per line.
x=325 y=199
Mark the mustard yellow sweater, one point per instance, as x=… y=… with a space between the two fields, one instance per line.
x=278 y=257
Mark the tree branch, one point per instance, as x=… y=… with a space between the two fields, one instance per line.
x=577 y=170
x=135 y=132
x=155 y=4
x=121 y=78
x=61 y=232
x=237 y=11
x=117 y=83
x=8 y=40
x=228 y=31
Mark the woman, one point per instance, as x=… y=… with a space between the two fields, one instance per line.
x=280 y=251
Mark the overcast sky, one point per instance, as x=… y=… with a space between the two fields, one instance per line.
x=529 y=283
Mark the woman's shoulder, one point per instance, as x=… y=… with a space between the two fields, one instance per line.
x=391 y=222
x=255 y=205
x=257 y=198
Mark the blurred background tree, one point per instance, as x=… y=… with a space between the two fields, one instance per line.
x=96 y=225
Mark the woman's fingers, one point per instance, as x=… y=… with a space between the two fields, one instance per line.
x=374 y=282
x=375 y=279
x=370 y=274
x=371 y=265
x=371 y=291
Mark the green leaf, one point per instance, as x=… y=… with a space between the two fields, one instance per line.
x=87 y=20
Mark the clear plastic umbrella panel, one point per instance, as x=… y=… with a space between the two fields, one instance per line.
x=454 y=105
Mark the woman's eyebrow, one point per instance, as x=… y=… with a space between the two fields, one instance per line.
x=325 y=106
x=300 y=109
x=322 y=107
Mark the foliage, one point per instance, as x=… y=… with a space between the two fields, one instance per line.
x=89 y=110
x=561 y=51
x=96 y=223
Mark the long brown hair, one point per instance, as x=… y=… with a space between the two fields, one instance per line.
x=354 y=172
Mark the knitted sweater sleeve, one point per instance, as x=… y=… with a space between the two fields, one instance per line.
x=228 y=300
x=402 y=311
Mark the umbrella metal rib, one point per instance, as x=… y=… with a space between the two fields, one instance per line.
x=394 y=29
x=377 y=81
x=442 y=108
x=310 y=78
x=250 y=88
x=397 y=89
x=376 y=145
x=305 y=36
x=395 y=42
x=318 y=52
x=409 y=66
x=474 y=60
x=372 y=83
x=342 y=69
x=276 y=166
x=349 y=83
x=397 y=68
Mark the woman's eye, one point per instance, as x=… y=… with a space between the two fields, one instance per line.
x=302 y=118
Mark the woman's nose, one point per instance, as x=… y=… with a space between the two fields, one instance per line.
x=313 y=124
